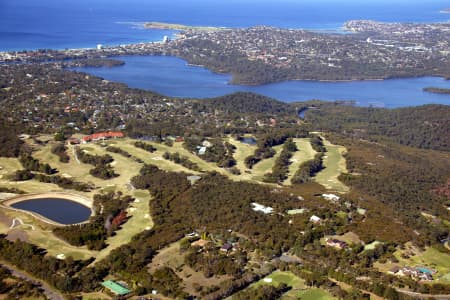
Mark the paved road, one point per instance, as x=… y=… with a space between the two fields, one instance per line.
x=48 y=291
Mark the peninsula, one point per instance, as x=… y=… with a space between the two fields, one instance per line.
x=445 y=11
x=436 y=90
x=181 y=27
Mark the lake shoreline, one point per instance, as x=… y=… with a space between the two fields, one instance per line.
x=8 y=203
x=174 y=77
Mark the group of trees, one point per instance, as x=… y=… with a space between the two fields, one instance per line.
x=181 y=160
x=265 y=144
x=59 y=273
x=310 y=168
x=60 y=150
x=32 y=164
x=10 y=144
x=280 y=169
x=420 y=126
x=102 y=167
x=146 y=146
x=124 y=153
x=17 y=288
x=45 y=173
x=217 y=150
x=216 y=263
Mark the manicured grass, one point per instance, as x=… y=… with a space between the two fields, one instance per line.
x=304 y=153
x=287 y=278
x=241 y=153
x=265 y=165
x=314 y=294
x=139 y=220
x=155 y=158
x=8 y=166
x=335 y=164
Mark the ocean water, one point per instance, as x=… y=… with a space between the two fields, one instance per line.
x=172 y=76
x=60 y=24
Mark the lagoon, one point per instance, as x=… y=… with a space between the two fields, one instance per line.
x=172 y=76
x=59 y=210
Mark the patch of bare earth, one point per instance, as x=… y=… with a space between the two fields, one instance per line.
x=17 y=234
x=5 y=219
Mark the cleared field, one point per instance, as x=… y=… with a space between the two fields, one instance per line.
x=314 y=294
x=305 y=152
x=8 y=166
x=349 y=238
x=334 y=163
x=287 y=278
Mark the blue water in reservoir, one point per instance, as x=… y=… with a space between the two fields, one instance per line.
x=173 y=77
x=59 y=210
x=59 y=24
x=248 y=140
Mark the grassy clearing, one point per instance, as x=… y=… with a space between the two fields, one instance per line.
x=349 y=238
x=430 y=258
x=305 y=152
x=314 y=294
x=334 y=163
x=279 y=277
x=8 y=166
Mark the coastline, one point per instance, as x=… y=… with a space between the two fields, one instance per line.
x=180 y=27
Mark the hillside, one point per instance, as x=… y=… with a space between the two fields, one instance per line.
x=426 y=126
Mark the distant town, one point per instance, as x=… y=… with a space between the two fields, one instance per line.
x=258 y=55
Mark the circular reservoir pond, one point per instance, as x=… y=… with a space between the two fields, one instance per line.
x=58 y=210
